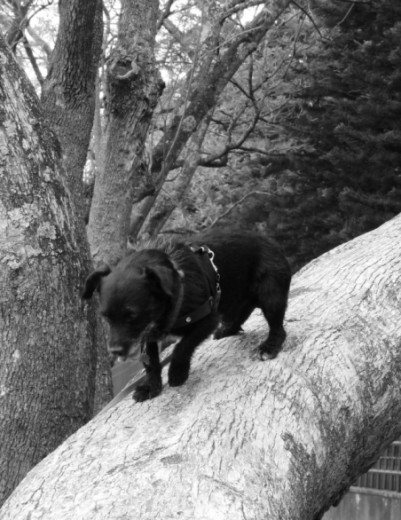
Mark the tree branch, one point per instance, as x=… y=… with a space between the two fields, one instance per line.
x=281 y=439
x=32 y=60
x=238 y=203
x=212 y=75
x=164 y=14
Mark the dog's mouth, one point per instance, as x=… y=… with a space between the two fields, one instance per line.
x=128 y=345
x=117 y=358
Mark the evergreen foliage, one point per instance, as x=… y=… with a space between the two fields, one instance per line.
x=349 y=180
x=324 y=164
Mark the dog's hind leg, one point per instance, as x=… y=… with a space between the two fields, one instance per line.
x=273 y=302
x=272 y=345
x=153 y=385
x=181 y=359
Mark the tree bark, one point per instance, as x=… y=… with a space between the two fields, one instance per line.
x=18 y=24
x=134 y=87
x=69 y=91
x=282 y=439
x=69 y=99
x=48 y=336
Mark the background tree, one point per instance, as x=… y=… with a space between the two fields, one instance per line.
x=133 y=89
x=68 y=100
x=321 y=130
x=282 y=439
x=284 y=141
x=48 y=336
x=32 y=47
x=217 y=61
x=344 y=179
x=68 y=92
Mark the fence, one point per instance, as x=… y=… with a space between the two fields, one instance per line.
x=385 y=475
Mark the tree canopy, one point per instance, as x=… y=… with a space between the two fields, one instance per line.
x=298 y=128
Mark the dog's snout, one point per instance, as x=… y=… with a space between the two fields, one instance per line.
x=123 y=349
x=118 y=343
x=116 y=353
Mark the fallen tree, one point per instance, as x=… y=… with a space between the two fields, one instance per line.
x=282 y=439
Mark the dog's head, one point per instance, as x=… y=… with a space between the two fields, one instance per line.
x=134 y=295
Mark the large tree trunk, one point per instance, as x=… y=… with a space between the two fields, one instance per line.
x=68 y=99
x=280 y=439
x=134 y=86
x=68 y=95
x=48 y=336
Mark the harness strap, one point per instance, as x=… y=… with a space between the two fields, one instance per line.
x=216 y=290
x=212 y=302
x=210 y=305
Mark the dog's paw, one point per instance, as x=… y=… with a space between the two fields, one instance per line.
x=178 y=374
x=145 y=392
x=272 y=346
x=264 y=354
x=269 y=350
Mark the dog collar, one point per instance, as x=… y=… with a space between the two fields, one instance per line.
x=196 y=315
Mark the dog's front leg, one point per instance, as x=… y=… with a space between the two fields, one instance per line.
x=153 y=385
x=181 y=360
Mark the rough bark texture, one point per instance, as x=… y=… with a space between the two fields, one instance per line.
x=134 y=87
x=68 y=100
x=68 y=94
x=280 y=439
x=47 y=334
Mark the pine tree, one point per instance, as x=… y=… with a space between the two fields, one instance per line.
x=348 y=179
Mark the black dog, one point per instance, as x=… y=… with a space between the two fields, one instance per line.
x=174 y=287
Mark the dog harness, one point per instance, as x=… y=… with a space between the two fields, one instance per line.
x=211 y=304
x=213 y=301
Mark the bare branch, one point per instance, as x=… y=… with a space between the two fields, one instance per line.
x=39 y=41
x=179 y=37
x=235 y=7
x=32 y=60
x=164 y=15
x=19 y=22
x=216 y=70
x=308 y=14
x=240 y=201
x=220 y=158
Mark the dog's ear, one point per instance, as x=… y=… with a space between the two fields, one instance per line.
x=163 y=276
x=93 y=281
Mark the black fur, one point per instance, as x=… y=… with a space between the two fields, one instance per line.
x=148 y=290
